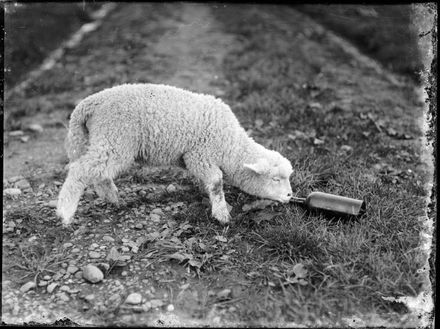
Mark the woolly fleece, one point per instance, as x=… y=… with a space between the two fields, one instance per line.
x=165 y=125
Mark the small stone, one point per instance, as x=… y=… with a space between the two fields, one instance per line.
x=125 y=249
x=16 y=133
x=92 y=274
x=50 y=288
x=78 y=275
x=346 y=148
x=12 y=191
x=72 y=269
x=157 y=211
x=52 y=203
x=108 y=238
x=171 y=188
x=146 y=307
x=35 y=127
x=94 y=254
x=42 y=283
x=89 y=298
x=63 y=296
x=67 y=245
x=170 y=308
x=134 y=298
x=47 y=277
x=22 y=184
x=75 y=250
x=24 y=139
x=93 y=246
x=224 y=294
x=57 y=183
x=64 y=288
x=155 y=217
x=139 y=226
x=124 y=273
x=27 y=286
x=156 y=303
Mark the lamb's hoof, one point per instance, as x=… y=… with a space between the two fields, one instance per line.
x=66 y=215
x=222 y=216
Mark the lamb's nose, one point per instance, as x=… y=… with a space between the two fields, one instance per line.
x=289 y=195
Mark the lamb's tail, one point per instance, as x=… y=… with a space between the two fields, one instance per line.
x=77 y=140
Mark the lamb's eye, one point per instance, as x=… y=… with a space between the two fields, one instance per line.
x=276 y=179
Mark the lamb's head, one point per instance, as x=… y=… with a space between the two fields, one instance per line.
x=268 y=177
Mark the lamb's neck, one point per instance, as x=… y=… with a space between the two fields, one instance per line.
x=248 y=151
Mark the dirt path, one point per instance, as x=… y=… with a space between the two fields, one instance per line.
x=194 y=47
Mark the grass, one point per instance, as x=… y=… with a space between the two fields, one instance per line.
x=384 y=32
x=351 y=264
x=35 y=29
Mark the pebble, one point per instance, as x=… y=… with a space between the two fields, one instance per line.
x=52 y=203
x=16 y=133
x=170 y=308
x=25 y=139
x=12 y=191
x=224 y=294
x=75 y=250
x=63 y=296
x=72 y=269
x=35 y=127
x=89 y=298
x=94 y=254
x=134 y=298
x=125 y=249
x=22 y=184
x=42 y=283
x=155 y=217
x=93 y=246
x=27 y=286
x=124 y=273
x=47 y=277
x=171 y=188
x=67 y=245
x=92 y=274
x=108 y=238
x=78 y=275
x=157 y=211
x=139 y=226
x=50 y=288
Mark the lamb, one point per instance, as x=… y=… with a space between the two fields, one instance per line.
x=162 y=126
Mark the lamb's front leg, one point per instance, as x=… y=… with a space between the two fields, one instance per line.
x=211 y=177
x=218 y=203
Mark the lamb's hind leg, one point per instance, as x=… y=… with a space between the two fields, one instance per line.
x=212 y=178
x=95 y=166
x=77 y=180
x=107 y=190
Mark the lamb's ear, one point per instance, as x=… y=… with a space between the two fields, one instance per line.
x=260 y=167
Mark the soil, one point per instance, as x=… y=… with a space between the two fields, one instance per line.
x=177 y=44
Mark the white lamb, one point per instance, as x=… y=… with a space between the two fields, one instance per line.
x=164 y=125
